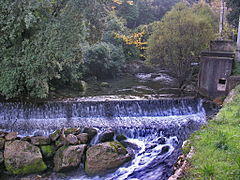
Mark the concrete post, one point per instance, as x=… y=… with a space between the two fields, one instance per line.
x=221 y=22
x=237 y=58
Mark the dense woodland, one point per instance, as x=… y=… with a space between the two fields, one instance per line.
x=47 y=44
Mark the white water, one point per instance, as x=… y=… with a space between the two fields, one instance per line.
x=142 y=121
x=148 y=155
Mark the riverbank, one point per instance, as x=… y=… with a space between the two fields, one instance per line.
x=216 y=146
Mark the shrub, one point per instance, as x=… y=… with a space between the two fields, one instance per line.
x=103 y=60
x=180 y=37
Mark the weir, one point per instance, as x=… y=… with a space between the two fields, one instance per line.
x=156 y=113
x=155 y=128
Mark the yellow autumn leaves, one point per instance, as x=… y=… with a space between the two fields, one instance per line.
x=121 y=1
x=135 y=39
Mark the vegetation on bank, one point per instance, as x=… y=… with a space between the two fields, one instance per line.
x=233 y=15
x=179 y=38
x=52 y=44
x=217 y=148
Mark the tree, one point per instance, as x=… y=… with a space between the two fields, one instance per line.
x=129 y=12
x=41 y=42
x=233 y=16
x=140 y=12
x=180 y=37
x=103 y=60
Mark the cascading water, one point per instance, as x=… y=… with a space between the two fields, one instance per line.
x=156 y=127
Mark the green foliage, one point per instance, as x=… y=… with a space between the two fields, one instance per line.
x=42 y=42
x=217 y=145
x=187 y=148
x=115 y=25
x=236 y=68
x=128 y=12
x=180 y=37
x=22 y=71
x=143 y=12
x=103 y=60
x=233 y=16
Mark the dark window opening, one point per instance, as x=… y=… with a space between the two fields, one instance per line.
x=222 y=81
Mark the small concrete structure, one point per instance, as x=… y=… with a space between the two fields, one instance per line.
x=216 y=68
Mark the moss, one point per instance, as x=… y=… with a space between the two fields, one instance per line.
x=59 y=152
x=54 y=136
x=36 y=166
x=48 y=150
x=116 y=146
x=72 y=131
x=121 y=137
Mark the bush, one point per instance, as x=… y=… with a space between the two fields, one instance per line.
x=180 y=37
x=103 y=60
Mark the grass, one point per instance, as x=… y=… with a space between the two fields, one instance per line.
x=236 y=68
x=217 y=146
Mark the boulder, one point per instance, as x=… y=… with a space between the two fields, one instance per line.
x=68 y=157
x=40 y=140
x=105 y=156
x=105 y=85
x=48 y=151
x=72 y=139
x=11 y=136
x=1 y=157
x=107 y=136
x=149 y=147
x=164 y=150
x=160 y=140
x=2 y=134
x=21 y=157
x=26 y=138
x=60 y=142
x=54 y=136
x=2 y=141
x=91 y=133
x=39 y=133
x=130 y=145
x=121 y=137
x=72 y=131
x=83 y=138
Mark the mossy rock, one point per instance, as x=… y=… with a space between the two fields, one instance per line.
x=47 y=151
x=68 y=157
x=118 y=147
x=34 y=167
x=2 y=142
x=59 y=143
x=54 y=136
x=121 y=137
x=21 y=157
x=105 y=156
x=72 y=131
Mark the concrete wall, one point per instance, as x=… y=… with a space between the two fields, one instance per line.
x=211 y=71
x=227 y=46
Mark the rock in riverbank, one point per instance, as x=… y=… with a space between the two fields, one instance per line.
x=68 y=157
x=21 y=157
x=105 y=156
